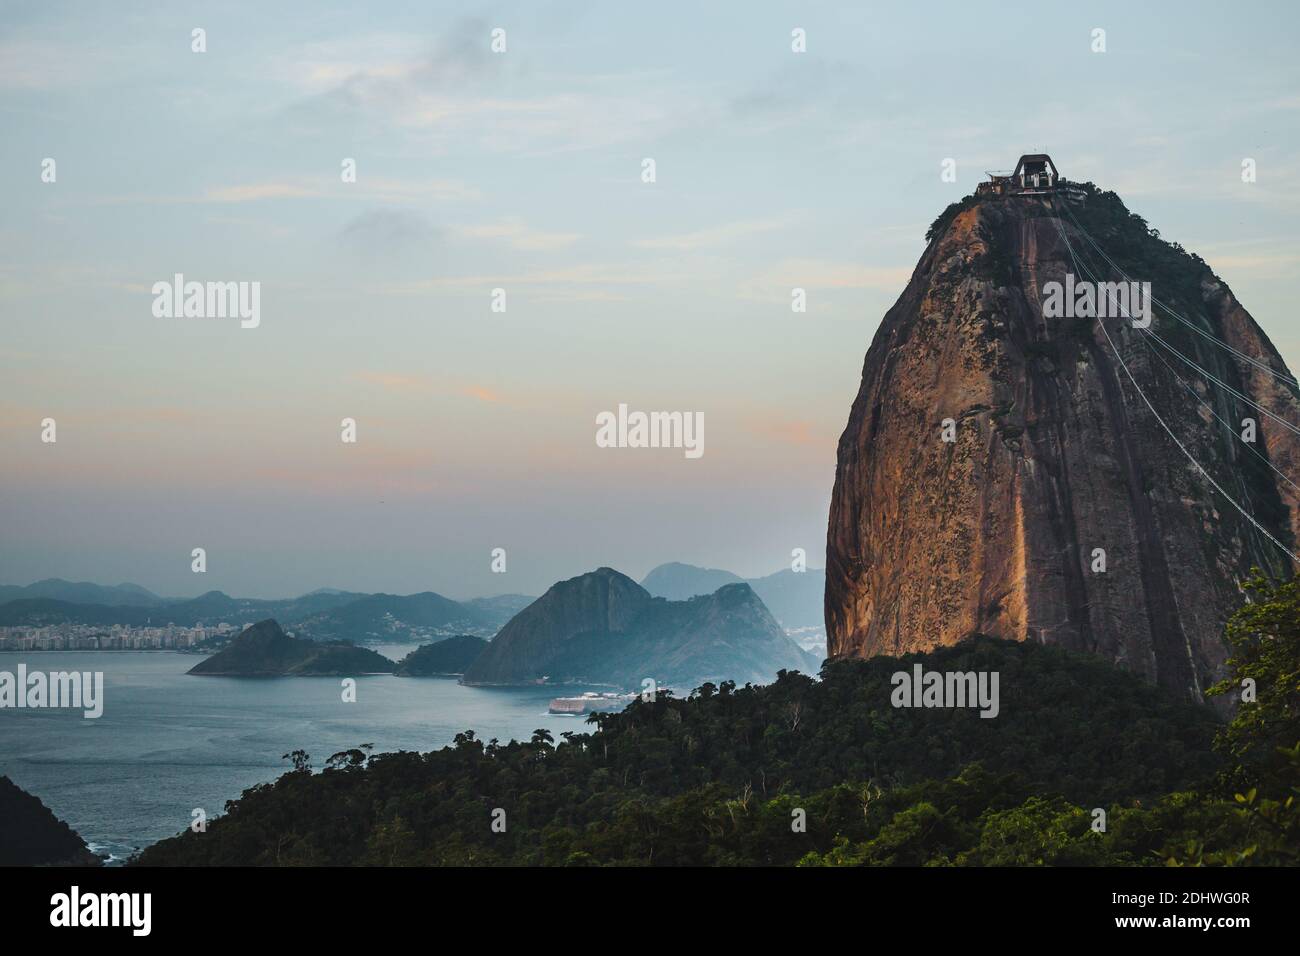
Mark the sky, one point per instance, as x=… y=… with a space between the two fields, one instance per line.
x=522 y=170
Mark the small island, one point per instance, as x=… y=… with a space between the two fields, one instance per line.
x=264 y=650
x=449 y=658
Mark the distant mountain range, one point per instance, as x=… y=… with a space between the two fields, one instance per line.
x=81 y=592
x=603 y=627
x=597 y=628
x=326 y=614
x=392 y=617
x=685 y=626
x=795 y=598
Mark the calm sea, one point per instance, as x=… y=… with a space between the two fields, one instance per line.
x=168 y=743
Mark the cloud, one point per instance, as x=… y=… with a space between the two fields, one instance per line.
x=387 y=227
x=324 y=65
x=520 y=236
x=844 y=275
x=256 y=191
x=412 y=190
x=824 y=274
x=406 y=384
x=36 y=65
x=367 y=189
x=579 y=295
x=712 y=236
x=104 y=418
x=387 y=69
x=803 y=89
x=262 y=226
x=570 y=283
x=396 y=381
x=792 y=432
x=1277 y=264
x=481 y=393
x=458 y=95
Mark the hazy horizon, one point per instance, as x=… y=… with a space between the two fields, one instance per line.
x=638 y=577
x=522 y=170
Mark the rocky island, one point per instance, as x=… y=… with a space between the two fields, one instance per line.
x=264 y=650
x=449 y=658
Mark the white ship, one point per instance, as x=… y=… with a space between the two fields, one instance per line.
x=589 y=702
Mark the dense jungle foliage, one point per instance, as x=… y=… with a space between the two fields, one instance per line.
x=828 y=772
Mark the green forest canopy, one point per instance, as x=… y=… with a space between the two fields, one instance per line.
x=720 y=777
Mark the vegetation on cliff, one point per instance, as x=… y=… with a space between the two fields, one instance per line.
x=451 y=656
x=717 y=778
x=31 y=835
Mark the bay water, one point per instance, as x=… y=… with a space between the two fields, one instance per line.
x=168 y=743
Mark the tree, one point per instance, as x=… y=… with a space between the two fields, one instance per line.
x=301 y=760
x=346 y=759
x=1264 y=635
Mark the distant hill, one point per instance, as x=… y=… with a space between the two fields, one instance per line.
x=602 y=627
x=264 y=650
x=443 y=658
x=80 y=592
x=677 y=582
x=39 y=612
x=31 y=835
x=326 y=614
x=214 y=607
x=391 y=617
x=795 y=598
x=500 y=608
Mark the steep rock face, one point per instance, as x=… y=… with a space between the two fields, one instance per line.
x=1056 y=453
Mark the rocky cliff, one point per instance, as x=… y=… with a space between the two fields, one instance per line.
x=1055 y=455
